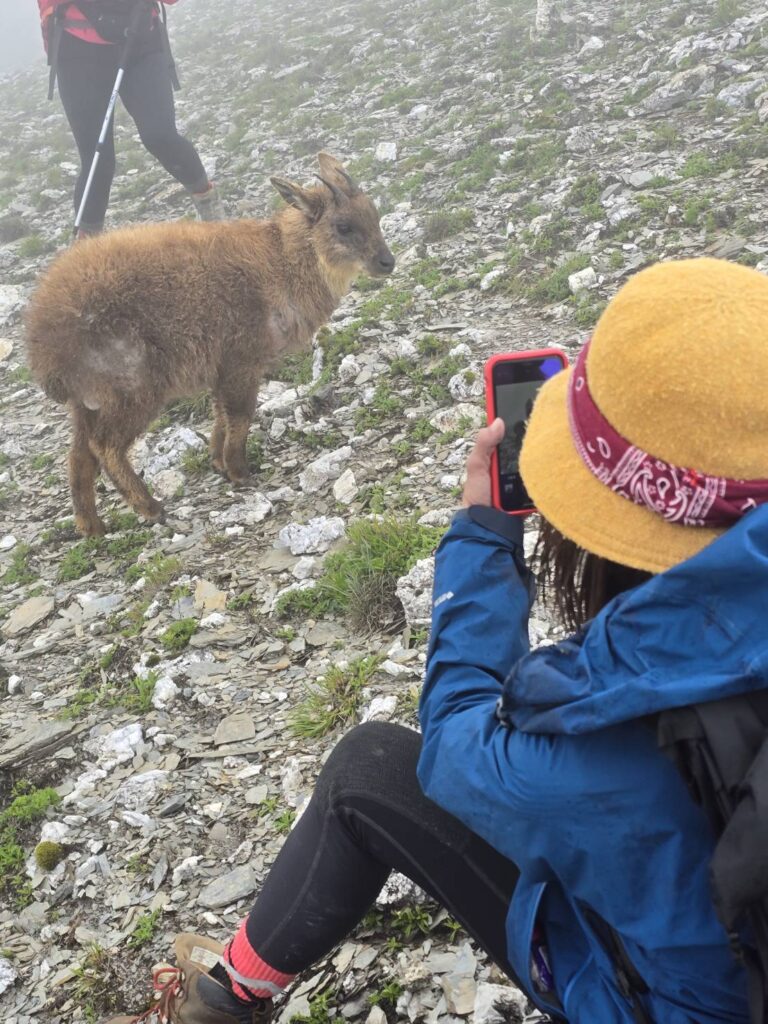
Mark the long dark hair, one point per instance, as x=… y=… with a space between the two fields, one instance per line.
x=576 y=583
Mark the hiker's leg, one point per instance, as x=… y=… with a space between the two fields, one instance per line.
x=86 y=75
x=367 y=816
x=147 y=93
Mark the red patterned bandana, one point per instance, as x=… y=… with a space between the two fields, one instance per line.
x=677 y=494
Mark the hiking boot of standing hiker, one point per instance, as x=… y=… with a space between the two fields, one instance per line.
x=208 y=204
x=187 y=994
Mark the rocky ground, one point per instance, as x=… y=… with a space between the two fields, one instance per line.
x=168 y=694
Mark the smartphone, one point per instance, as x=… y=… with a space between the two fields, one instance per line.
x=511 y=383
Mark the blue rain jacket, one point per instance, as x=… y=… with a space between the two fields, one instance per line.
x=542 y=754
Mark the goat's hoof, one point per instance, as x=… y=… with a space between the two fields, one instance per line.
x=239 y=479
x=218 y=466
x=90 y=526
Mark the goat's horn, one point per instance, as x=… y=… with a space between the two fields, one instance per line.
x=338 y=195
x=352 y=185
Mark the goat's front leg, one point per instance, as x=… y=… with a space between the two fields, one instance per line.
x=239 y=402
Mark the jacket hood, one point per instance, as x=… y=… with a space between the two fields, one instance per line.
x=697 y=632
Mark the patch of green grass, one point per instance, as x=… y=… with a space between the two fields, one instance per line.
x=19 y=571
x=284 y=822
x=80 y=559
x=727 y=11
x=40 y=461
x=410 y=921
x=21 y=375
x=32 y=245
x=359 y=580
x=28 y=805
x=192 y=409
x=158 y=570
x=698 y=165
x=387 y=994
x=178 y=635
x=334 y=699
x=554 y=287
x=242 y=601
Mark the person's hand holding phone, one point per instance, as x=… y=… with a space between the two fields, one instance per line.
x=477 y=487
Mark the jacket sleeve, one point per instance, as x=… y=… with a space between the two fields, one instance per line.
x=486 y=774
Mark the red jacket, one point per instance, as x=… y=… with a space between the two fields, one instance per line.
x=72 y=13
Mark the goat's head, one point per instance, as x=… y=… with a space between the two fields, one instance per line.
x=343 y=221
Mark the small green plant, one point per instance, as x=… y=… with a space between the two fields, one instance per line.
x=48 y=854
x=242 y=601
x=554 y=287
x=94 y=985
x=388 y=994
x=41 y=461
x=139 y=693
x=320 y=1011
x=178 y=635
x=334 y=699
x=158 y=570
x=410 y=921
x=284 y=822
x=145 y=929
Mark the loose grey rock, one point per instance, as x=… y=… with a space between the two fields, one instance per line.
x=229 y=888
x=234 y=729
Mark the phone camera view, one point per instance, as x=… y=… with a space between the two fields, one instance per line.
x=515 y=386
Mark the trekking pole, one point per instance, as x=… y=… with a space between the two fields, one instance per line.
x=131 y=33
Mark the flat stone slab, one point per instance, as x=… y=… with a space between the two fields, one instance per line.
x=28 y=615
x=229 y=888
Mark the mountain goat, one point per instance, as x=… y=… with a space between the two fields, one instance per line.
x=124 y=323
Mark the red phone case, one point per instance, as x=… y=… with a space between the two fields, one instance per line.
x=490 y=408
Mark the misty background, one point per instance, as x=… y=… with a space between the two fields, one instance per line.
x=21 y=44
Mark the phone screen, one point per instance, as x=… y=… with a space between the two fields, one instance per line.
x=515 y=384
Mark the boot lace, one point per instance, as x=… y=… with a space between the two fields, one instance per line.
x=166 y=982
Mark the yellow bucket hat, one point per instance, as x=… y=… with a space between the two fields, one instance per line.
x=677 y=369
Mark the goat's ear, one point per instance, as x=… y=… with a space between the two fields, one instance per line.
x=310 y=203
x=333 y=169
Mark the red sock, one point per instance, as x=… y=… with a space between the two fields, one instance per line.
x=252 y=977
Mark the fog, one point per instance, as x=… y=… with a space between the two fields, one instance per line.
x=21 y=44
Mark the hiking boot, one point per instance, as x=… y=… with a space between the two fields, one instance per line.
x=187 y=994
x=208 y=204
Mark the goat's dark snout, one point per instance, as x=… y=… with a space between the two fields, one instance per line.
x=385 y=262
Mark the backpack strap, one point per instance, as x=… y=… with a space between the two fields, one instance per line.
x=167 y=47
x=628 y=979
x=54 y=32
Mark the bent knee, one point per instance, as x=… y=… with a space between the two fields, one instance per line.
x=369 y=755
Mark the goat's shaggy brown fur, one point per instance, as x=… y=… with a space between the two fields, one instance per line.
x=124 y=323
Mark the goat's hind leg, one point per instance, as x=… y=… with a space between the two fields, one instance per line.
x=239 y=403
x=83 y=470
x=218 y=437
x=113 y=437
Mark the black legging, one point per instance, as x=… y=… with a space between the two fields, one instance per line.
x=86 y=76
x=367 y=817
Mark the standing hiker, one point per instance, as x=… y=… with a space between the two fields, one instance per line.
x=536 y=805
x=85 y=42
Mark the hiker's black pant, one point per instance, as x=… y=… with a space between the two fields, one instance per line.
x=367 y=817
x=86 y=76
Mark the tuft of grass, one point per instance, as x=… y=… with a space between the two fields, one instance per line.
x=145 y=929
x=19 y=571
x=195 y=461
x=139 y=694
x=48 y=855
x=157 y=571
x=178 y=635
x=334 y=699
x=554 y=286
x=94 y=986
x=447 y=223
x=359 y=581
